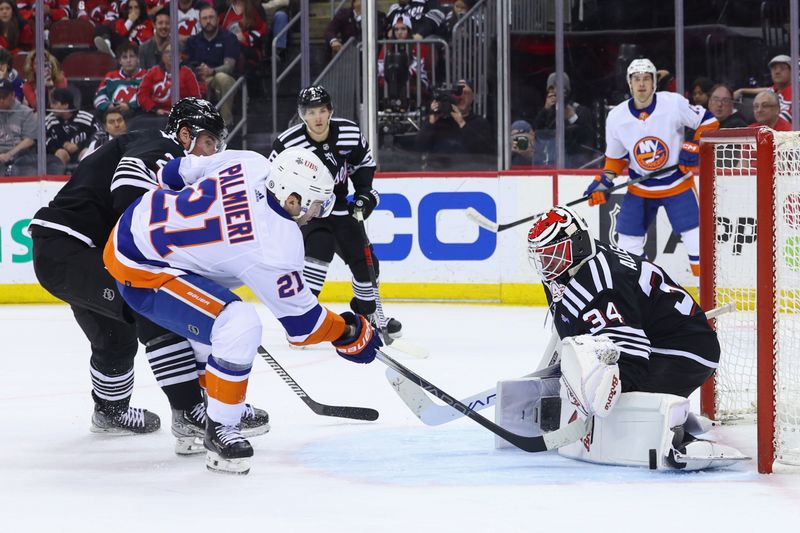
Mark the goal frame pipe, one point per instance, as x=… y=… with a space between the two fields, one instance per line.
x=765 y=274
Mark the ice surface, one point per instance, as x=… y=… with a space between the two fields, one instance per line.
x=313 y=473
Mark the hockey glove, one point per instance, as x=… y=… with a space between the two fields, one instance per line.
x=689 y=156
x=598 y=190
x=590 y=374
x=366 y=201
x=361 y=346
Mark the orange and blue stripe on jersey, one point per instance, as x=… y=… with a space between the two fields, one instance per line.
x=314 y=326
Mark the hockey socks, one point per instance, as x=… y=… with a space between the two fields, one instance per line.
x=172 y=360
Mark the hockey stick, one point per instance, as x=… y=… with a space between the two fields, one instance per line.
x=405 y=347
x=494 y=227
x=432 y=414
x=356 y=413
x=550 y=441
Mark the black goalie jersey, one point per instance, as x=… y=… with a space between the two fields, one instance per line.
x=345 y=153
x=653 y=321
x=106 y=183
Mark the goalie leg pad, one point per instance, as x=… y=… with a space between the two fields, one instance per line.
x=527 y=406
x=636 y=433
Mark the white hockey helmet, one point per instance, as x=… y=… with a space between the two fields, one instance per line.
x=299 y=171
x=645 y=66
x=558 y=243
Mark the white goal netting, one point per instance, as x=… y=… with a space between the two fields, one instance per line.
x=735 y=266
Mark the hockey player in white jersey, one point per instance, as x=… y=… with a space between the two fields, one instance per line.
x=646 y=134
x=177 y=253
x=635 y=346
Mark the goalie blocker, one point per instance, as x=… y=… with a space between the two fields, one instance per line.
x=631 y=429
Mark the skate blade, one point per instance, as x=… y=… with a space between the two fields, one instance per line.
x=189 y=445
x=216 y=463
x=117 y=432
x=256 y=431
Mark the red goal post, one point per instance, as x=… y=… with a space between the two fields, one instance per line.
x=750 y=255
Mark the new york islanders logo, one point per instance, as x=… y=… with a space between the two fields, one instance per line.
x=651 y=153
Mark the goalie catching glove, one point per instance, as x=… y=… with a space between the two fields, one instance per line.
x=361 y=345
x=590 y=374
x=598 y=189
x=366 y=201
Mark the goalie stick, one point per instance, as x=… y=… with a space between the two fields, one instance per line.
x=432 y=414
x=570 y=433
x=494 y=227
x=356 y=413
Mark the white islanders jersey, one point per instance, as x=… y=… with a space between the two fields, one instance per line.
x=650 y=139
x=223 y=226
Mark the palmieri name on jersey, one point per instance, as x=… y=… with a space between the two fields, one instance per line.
x=238 y=221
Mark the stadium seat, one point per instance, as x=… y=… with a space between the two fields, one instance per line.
x=71 y=34
x=89 y=66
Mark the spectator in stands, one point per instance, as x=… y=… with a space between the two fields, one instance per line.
x=247 y=20
x=133 y=25
x=154 y=92
x=439 y=22
x=456 y=130
x=213 y=53
x=154 y=6
x=150 y=51
x=98 y=11
x=54 y=10
x=281 y=12
x=346 y=23
x=766 y=110
x=721 y=106
x=17 y=135
x=700 y=91
x=8 y=72
x=781 y=73
x=577 y=127
x=188 y=19
x=67 y=128
x=522 y=142
x=53 y=78
x=114 y=125
x=15 y=33
x=394 y=56
x=413 y=9
x=117 y=91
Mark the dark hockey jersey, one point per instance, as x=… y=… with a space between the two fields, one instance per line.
x=106 y=183
x=345 y=153
x=638 y=306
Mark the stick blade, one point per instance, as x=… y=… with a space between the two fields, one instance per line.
x=354 y=413
x=481 y=220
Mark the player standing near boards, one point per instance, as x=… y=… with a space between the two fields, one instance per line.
x=340 y=145
x=646 y=134
x=68 y=239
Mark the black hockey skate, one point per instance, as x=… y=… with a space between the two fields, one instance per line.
x=124 y=421
x=394 y=329
x=189 y=426
x=227 y=451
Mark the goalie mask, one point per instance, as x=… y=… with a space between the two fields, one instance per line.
x=299 y=171
x=558 y=243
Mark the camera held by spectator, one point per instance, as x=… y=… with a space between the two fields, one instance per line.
x=522 y=139
x=445 y=97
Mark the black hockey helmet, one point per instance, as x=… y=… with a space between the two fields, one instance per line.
x=559 y=243
x=313 y=96
x=199 y=116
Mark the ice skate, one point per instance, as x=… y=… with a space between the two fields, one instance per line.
x=129 y=421
x=189 y=426
x=227 y=451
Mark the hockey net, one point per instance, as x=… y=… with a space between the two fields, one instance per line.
x=750 y=256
